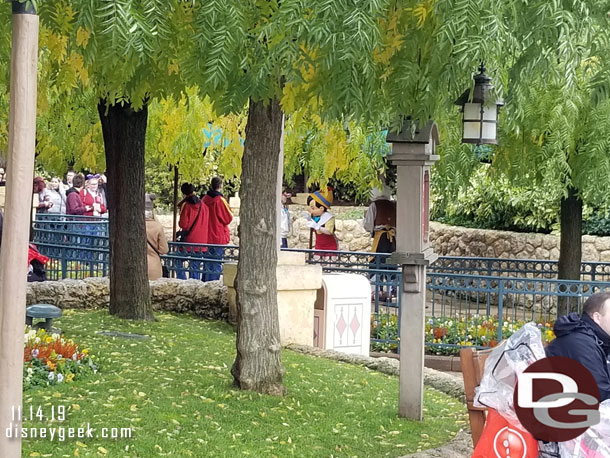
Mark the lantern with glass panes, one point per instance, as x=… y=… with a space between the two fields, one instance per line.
x=480 y=112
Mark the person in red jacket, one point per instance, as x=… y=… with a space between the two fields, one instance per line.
x=218 y=228
x=36 y=264
x=194 y=221
x=91 y=197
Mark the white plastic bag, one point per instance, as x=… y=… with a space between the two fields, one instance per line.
x=503 y=366
x=595 y=442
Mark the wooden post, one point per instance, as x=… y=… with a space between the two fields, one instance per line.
x=175 y=202
x=13 y=262
x=413 y=154
x=279 y=189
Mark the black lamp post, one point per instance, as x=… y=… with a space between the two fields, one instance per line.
x=480 y=113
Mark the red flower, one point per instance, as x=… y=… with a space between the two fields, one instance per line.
x=439 y=333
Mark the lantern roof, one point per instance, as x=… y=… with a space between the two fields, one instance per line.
x=411 y=132
x=482 y=88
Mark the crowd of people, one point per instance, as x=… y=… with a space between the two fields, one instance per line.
x=205 y=219
x=76 y=194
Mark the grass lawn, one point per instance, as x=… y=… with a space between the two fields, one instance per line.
x=175 y=391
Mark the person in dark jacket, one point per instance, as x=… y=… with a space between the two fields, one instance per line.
x=74 y=203
x=586 y=339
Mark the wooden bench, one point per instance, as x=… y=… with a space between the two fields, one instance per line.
x=473 y=365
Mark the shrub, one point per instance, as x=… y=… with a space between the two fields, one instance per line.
x=597 y=224
x=493 y=202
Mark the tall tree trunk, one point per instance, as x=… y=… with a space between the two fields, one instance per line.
x=570 y=253
x=124 y=133
x=258 y=364
x=13 y=262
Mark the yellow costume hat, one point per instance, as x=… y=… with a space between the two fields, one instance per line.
x=324 y=198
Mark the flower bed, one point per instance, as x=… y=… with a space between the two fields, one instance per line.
x=50 y=359
x=476 y=331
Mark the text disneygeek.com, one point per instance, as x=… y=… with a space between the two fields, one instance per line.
x=20 y=426
x=61 y=433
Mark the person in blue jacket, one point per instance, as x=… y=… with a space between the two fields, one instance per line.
x=586 y=339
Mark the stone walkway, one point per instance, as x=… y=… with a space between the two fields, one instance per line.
x=459 y=447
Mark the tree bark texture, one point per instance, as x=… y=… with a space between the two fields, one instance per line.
x=124 y=133
x=13 y=262
x=258 y=364
x=570 y=251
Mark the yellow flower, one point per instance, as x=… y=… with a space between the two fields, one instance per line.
x=69 y=377
x=51 y=365
x=85 y=351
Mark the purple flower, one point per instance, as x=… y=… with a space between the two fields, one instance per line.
x=35 y=353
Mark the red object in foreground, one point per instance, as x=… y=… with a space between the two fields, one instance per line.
x=500 y=439
x=33 y=253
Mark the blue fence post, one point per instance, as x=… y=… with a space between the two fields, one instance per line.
x=64 y=265
x=500 y=306
x=399 y=303
x=489 y=273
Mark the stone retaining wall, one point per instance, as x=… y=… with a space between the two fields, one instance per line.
x=448 y=240
x=350 y=234
x=205 y=300
x=461 y=241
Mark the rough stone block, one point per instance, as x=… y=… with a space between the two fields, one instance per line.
x=589 y=253
x=602 y=243
x=206 y=300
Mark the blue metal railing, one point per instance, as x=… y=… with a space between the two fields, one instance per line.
x=463 y=292
x=78 y=247
x=515 y=299
x=535 y=268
